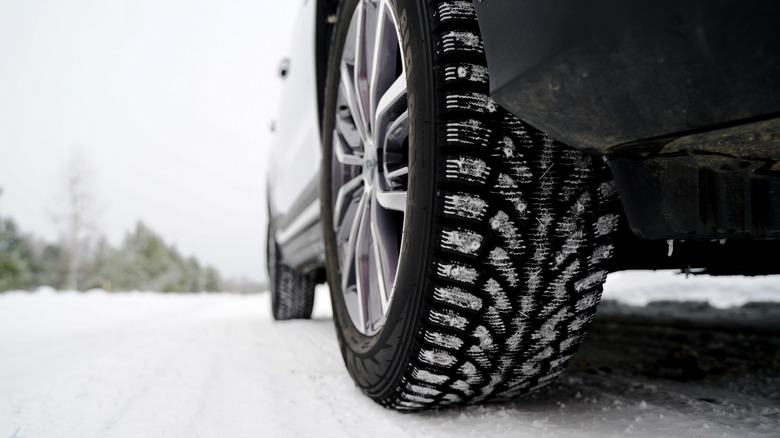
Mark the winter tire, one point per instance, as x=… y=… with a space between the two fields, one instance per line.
x=292 y=292
x=465 y=249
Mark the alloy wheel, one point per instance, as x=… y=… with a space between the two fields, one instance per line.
x=370 y=165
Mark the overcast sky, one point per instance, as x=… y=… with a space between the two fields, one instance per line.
x=170 y=103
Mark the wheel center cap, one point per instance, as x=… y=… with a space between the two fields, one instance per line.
x=369 y=166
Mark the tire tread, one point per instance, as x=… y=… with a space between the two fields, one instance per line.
x=523 y=229
x=293 y=293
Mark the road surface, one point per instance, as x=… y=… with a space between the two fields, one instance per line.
x=141 y=364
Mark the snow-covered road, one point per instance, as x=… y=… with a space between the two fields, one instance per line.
x=169 y=365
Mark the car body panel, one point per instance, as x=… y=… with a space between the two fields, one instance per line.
x=597 y=74
x=294 y=158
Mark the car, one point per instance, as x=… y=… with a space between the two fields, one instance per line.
x=465 y=175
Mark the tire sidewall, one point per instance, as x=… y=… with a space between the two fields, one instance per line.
x=377 y=361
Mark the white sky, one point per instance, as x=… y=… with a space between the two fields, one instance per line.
x=170 y=101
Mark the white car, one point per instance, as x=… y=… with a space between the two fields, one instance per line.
x=465 y=249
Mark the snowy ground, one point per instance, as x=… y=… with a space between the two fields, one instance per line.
x=161 y=365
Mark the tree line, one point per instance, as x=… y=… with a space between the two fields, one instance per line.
x=143 y=261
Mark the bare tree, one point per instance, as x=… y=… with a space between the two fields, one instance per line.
x=78 y=214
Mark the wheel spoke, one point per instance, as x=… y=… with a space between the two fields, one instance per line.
x=394 y=145
x=347 y=88
x=392 y=200
x=348 y=266
x=398 y=131
x=392 y=103
x=346 y=127
x=344 y=198
x=383 y=63
x=385 y=244
x=361 y=259
x=344 y=152
x=351 y=273
x=360 y=85
x=399 y=173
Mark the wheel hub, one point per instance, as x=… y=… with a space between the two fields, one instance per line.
x=369 y=167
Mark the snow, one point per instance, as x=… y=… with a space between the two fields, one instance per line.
x=465 y=38
x=464 y=205
x=212 y=365
x=470 y=169
x=457 y=297
x=457 y=272
x=639 y=288
x=465 y=241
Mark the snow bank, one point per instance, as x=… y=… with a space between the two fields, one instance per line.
x=639 y=288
